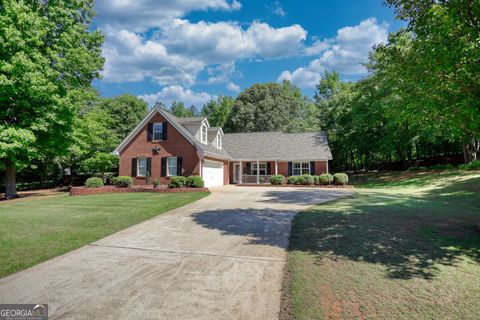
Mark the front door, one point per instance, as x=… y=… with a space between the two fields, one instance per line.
x=236 y=173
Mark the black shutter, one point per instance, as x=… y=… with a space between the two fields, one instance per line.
x=269 y=168
x=179 y=166
x=164 y=133
x=312 y=168
x=249 y=168
x=134 y=167
x=164 y=167
x=289 y=169
x=150 y=132
x=149 y=167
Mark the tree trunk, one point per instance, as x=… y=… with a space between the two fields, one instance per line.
x=10 y=185
x=471 y=150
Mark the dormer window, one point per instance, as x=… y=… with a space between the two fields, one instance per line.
x=203 y=133
x=219 y=140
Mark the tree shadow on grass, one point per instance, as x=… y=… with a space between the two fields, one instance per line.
x=410 y=235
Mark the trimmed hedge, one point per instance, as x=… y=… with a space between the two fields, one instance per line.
x=156 y=183
x=94 y=182
x=292 y=180
x=305 y=179
x=177 y=182
x=194 y=182
x=315 y=179
x=325 y=179
x=340 y=179
x=277 y=179
x=122 y=181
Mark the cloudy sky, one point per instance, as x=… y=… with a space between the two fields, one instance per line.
x=194 y=50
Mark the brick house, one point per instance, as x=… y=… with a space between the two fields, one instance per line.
x=162 y=146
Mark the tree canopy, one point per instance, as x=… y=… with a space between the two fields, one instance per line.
x=48 y=57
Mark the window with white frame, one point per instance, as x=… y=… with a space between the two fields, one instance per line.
x=262 y=168
x=158 y=131
x=171 y=166
x=219 y=140
x=203 y=133
x=299 y=168
x=141 y=167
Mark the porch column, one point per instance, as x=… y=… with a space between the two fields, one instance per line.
x=240 y=172
x=258 y=172
x=276 y=167
x=326 y=166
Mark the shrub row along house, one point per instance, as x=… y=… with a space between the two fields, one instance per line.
x=162 y=146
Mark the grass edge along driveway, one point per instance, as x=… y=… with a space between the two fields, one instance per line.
x=405 y=248
x=33 y=230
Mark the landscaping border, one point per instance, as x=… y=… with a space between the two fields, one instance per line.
x=80 y=191
x=331 y=186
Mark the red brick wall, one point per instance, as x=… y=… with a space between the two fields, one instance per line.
x=175 y=145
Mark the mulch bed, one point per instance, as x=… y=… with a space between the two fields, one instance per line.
x=294 y=186
x=79 y=191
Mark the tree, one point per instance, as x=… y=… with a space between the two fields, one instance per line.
x=100 y=162
x=125 y=110
x=266 y=107
x=48 y=57
x=178 y=109
x=218 y=111
x=443 y=65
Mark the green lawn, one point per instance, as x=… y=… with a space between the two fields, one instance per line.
x=406 y=246
x=36 y=229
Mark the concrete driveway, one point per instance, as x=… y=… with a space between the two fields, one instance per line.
x=221 y=257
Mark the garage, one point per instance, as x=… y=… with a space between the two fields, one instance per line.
x=213 y=173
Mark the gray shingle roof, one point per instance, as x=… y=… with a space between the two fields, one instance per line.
x=277 y=145
x=189 y=119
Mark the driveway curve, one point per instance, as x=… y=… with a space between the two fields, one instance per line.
x=221 y=257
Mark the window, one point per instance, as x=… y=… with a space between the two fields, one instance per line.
x=262 y=168
x=299 y=168
x=219 y=141
x=171 y=166
x=158 y=131
x=203 y=133
x=141 y=167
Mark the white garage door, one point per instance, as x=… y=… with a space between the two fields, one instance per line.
x=213 y=173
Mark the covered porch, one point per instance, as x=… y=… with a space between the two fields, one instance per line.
x=257 y=171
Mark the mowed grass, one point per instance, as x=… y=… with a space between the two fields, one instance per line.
x=33 y=230
x=406 y=246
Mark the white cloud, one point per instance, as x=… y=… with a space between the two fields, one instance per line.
x=177 y=53
x=278 y=9
x=178 y=93
x=141 y=15
x=345 y=53
x=233 y=87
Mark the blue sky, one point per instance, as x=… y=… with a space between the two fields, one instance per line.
x=195 y=50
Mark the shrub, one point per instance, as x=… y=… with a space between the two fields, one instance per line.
x=277 y=179
x=194 y=182
x=123 y=181
x=316 y=179
x=261 y=179
x=156 y=183
x=441 y=167
x=292 y=180
x=177 y=182
x=474 y=165
x=340 y=179
x=417 y=169
x=325 y=179
x=305 y=180
x=94 y=182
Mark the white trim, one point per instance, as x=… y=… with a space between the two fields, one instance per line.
x=219 y=140
x=176 y=167
x=153 y=131
x=138 y=167
x=203 y=139
x=301 y=167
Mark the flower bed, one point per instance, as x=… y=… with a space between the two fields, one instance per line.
x=78 y=191
x=331 y=186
